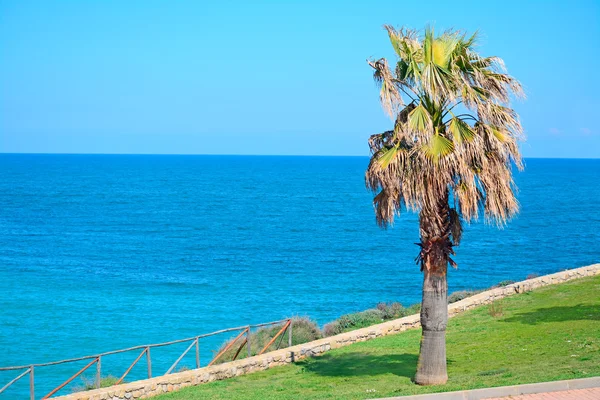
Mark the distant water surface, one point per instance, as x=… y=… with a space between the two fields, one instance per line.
x=100 y=252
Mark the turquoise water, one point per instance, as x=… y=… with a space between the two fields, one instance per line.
x=100 y=252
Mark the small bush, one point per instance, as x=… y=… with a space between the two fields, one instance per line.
x=383 y=312
x=532 y=276
x=461 y=295
x=503 y=283
x=414 y=309
x=391 y=310
x=353 y=321
x=303 y=330
x=90 y=384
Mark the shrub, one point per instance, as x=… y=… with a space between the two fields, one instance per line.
x=353 y=321
x=462 y=294
x=383 y=312
x=303 y=330
x=391 y=310
x=90 y=384
x=503 y=283
x=414 y=309
x=331 y=328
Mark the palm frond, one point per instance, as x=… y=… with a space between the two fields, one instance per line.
x=456 y=228
x=460 y=130
x=437 y=147
x=419 y=120
x=389 y=94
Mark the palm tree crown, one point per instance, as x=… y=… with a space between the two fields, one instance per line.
x=455 y=135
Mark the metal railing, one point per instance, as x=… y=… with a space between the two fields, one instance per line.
x=194 y=343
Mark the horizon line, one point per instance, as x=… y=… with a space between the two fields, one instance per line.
x=248 y=155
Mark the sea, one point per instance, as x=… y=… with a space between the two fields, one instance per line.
x=103 y=252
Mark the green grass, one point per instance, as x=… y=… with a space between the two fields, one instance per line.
x=550 y=334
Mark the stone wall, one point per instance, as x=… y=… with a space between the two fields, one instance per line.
x=167 y=383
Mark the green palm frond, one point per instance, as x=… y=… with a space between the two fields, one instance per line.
x=471 y=41
x=437 y=82
x=386 y=156
x=461 y=131
x=419 y=120
x=402 y=70
x=442 y=50
x=428 y=40
x=397 y=42
x=437 y=147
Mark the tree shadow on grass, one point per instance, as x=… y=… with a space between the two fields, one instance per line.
x=580 y=312
x=358 y=364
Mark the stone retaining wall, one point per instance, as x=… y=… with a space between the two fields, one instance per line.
x=167 y=383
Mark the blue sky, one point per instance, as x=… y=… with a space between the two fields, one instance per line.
x=268 y=77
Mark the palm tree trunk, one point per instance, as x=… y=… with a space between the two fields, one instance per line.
x=431 y=369
x=435 y=249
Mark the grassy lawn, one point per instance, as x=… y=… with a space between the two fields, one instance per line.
x=552 y=333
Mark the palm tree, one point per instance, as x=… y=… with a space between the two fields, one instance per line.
x=449 y=157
